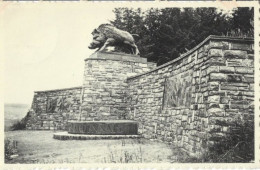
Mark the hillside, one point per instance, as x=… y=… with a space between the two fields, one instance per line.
x=13 y=113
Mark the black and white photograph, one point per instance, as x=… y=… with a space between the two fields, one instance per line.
x=129 y=84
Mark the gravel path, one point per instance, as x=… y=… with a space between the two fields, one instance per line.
x=40 y=147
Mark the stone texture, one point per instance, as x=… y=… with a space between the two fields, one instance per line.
x=105 y=89
x=118 y=127
x=226 y=69
x=214 y=99
x=67 y=136
x=235 y=54
x=240 y=46
x=215 y=53
x=180 y=102
x=52 y=108
x=219 y=78
x=118 y=57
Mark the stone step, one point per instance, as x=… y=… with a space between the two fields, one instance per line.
x=68 y=136
x=107 y=127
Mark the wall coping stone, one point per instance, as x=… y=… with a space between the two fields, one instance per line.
x=70 y=88
x=211 y=37
x=116 y=57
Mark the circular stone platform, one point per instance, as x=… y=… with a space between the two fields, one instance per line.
x=67 y=136
x=107 y=127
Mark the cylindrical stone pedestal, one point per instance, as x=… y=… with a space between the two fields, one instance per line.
x=118 y=127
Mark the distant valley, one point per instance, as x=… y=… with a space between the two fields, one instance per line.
x=14 y=112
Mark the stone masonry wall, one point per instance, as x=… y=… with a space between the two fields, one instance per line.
x=103 y=95
x=184 y=101
x=191 y=101
x=53 y=108
x=105 y=86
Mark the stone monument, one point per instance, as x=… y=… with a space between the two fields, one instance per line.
x=107 y=35
x=104 y=91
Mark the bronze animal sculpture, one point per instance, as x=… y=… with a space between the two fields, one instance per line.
x=108 y=35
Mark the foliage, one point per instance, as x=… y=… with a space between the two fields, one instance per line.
x=20 y=125
x=10 y=148
x=124 y=155
x=164 y=34
x=236 y=146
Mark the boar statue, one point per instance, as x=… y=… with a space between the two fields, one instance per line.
x=108 y=35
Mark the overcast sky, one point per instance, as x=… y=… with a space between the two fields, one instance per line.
x=45 y=46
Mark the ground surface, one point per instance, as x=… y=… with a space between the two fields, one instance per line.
x=40 y=147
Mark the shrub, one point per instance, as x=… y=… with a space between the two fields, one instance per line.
x=20 y=125
x=10 y=148
x=236 y=146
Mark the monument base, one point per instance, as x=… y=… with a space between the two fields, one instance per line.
x=95 y=130
x=108 y=127
x=67 y=136
x=104 y=86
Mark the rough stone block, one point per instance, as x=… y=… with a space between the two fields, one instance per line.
x=227 y=87
x=241 y=46
x=212 y=69
x=216 y=112
x=243 y=88
x=214 y=99
x=240 y=102
x=241 y=70
x=251 y=56
x=184 y=118
x=201 y=55
x=226 y=69
x=236 y=93
x=248 y=79
x=218 y=77
x=235 y=54
x=249 y=63
x=221 y=93
x=234 y=78
x=218 y=44
x=104 y=114
x=237 y=84
x=216 y=61
x=250 y=71
x=224 y=100
x=224 y=106
x=248 y=93
x=235 y=62
x=215 y=53
x=213 y=83
x=237 y=106
x=251 y=87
